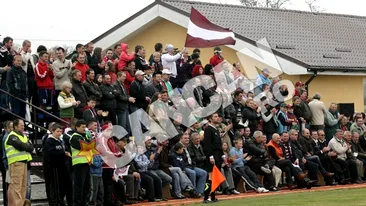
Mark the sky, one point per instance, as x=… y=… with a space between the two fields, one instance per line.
x=69 y=22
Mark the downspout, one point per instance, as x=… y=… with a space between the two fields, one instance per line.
x=310 y=80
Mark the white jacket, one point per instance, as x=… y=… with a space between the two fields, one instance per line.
x=168 y=61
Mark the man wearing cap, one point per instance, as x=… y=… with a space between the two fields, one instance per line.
x=298 y=87
x=168 y=61
x=138 y=91
x=166 y=82
x=216 y=58
x=263 y=79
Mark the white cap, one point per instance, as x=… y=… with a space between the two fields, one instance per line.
x=166 y=71
x=139 y=72
x=169 y=47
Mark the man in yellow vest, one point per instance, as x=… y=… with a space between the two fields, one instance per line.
x=18 y=151
x=80 y=165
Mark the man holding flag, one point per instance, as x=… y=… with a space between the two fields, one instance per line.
x=213 y=151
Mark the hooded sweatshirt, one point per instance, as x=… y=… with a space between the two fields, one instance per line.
x=44 y=76
x=124 y=58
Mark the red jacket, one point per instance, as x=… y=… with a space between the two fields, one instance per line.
x=44 y=76
x=129 y=79
x=215 y=60
x=82 y=68
x=113 y=77
x=124 y=58
x=109 y=151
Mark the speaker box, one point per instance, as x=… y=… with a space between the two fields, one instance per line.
x=346 y=108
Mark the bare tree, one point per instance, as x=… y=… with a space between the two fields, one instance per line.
x=277 y=4
x=68 y=48
x=313 y=7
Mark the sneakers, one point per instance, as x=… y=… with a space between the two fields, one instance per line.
x=262 y=190
x=266 y=169
x=234 y=192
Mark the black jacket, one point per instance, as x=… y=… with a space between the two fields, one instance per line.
x=121 y=96
x=356 y=147
x=138 y=90
x=92 y=89
x=54 y=153
x=297 y=150
x=306 y=145
x=80 y=94
x=16 y=80
x=92 y=62
x=140 y=63
x=6 y=58
x=197 y=155
x=252 y=117
x=317 y=147
x=75 y=140
x=109 y=97
x=151 y=88
x=257 y=151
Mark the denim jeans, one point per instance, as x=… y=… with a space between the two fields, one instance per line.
x=180 y=180
x=124 y=121
x=198 y=178
x=316 y=160
x=165 y=178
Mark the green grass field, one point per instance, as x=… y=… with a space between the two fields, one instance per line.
x=354 y=197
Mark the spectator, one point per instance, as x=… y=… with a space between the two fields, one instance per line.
x=197 y=51
x=158 y=50
x=6 y=62
x=250 y=115
x=67 y=102
x=125 y=58
x=26 y=54
x=97 y=56
x=262 y=79
x=108 y=57
x=89 y=111
x=130 y=75
x=91 y=88
x=8 y=127
x=123 y=101
x=139 y=60
x=217 y=58
x=61 y=68
x=109 y=102
x=197 y=70
x=184 y=68
x=332 y=119
x=154 y=86
x=79 y=50
x=318 y=112
x=81 y=66
x=44 y=77
x=79 y=92
x=138 y=91
x=166 y=74
x=16 y=81
x=90 y=58
x=168 y=61
x=156 y=63
x=117 y=50
x=356 y=166
x=110 y=70
x=147 y=76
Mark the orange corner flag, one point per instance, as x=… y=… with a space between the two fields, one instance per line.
x=88 y=150
x=217 y=178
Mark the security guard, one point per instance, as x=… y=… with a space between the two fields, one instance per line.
x=18 y=151
x=80 y=165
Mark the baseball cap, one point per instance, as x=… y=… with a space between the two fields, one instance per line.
x=139 y=72
x=166 y=71
x=265 y=70
x=170 y=47
x=299 y=83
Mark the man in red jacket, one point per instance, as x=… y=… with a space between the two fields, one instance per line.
x=81 y=65
x=44 y=78
x=216 y=59
x=125 y=58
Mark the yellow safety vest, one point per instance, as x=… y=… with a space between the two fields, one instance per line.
x=74 y=152
x=15 y=155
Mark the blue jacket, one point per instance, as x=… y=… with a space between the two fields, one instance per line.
x=96 y=168
x=178 y=160
x=239 y=161
x=281 y=127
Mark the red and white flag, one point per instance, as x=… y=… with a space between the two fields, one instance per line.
x=202 y=33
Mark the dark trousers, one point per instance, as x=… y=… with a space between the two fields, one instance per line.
x=5 y=188
x=153 y=186
x=342 y=169
x=124 y=121
x=18 y=107
x=119 y=189
x=59 y=186
x=352 y=165
x=81 y=184
x=317 y=161
x=108 y=185
x=96 y=191
x=287 y=167
x=131 y=186
x=249 y=177
x=112 y=116
x=316 y=127
x=268 y=179
x=312 y=169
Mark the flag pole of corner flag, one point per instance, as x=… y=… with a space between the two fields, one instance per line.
x=202 y=33
x=216 y=178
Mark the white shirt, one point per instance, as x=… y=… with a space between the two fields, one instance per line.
x=168 y=61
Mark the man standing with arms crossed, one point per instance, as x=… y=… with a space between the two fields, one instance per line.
x=18 y=151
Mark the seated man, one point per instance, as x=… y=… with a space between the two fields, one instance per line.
x=260 y=162
x=197 y=175
x=338 y=146
x=239 y=165
x=356 y=147
x=356 y=166
x=305 y=141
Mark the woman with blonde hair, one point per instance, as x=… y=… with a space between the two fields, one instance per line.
x=67 y=102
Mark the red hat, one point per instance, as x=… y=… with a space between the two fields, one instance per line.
x=104 y=127
x=299 y=83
